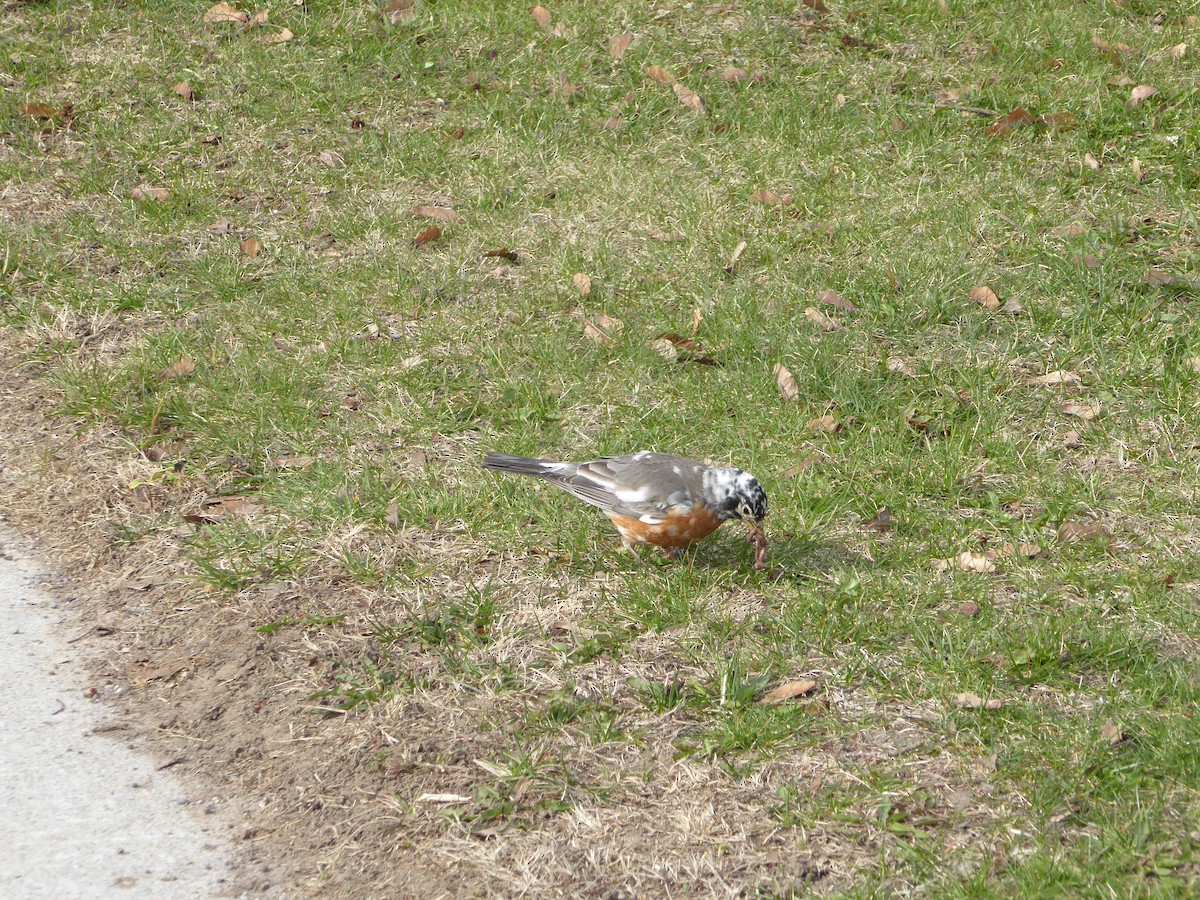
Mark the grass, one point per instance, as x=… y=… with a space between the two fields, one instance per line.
x=346 y=382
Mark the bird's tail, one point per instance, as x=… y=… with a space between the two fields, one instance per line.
x=523 y=465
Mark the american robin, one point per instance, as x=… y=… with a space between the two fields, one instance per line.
x=656 y=498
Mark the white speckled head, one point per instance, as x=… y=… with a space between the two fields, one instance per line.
x=735 y=494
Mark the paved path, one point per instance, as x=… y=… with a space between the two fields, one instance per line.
x=82 y=815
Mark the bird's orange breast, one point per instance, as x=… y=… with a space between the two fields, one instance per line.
x=680 y=528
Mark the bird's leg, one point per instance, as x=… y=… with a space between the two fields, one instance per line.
x=631 y=546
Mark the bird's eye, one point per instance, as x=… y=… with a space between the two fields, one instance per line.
x=745 y=511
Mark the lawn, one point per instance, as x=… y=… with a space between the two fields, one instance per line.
x=271 y=286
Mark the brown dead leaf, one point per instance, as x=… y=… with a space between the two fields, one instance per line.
x=788 y=691
x=1156 y=277
x=40 y=110
x=1058 y=376
x=667 y=237
x=697 y=318
x=148 y=194
x=896 y=364
x=430 y=234
x=969 y=608
x=392 y=517
x=826 y=423
x=967 y=561
x=734 y=75
x=1139 y=173
x=1016 y=119
x=250 y=247
x=282 y=36
x=1114 y=49
x=444 y=213
x=821 y=320
x=177 y=369
x=1075 y=532
x=985 y=297
x=768 y=197
x=816 y=5
x=1062 y=121
x=184 y=90
x=807 y=463
x=881 y=523
x=1091 y=162
x=259 y=18
x=223 y=12
x=1140 y=94
x=603 y=329
x=1112 y=733
x=331 y=159
x=974 y=701
x=292 y=462
x=678 y=348
x=1178 y=51
x=582 y=282
x=619 y=44
x=734 y=257
x=503 y=253
x=688 y=97
x=836 y=300
x=1012 y=306
x=1072 y=440
x=658 y=73
x=1085 y=411
x=787 y=382
x=221 y=227
x=541 y=14
x=398 y=11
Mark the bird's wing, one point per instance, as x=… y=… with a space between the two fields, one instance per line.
x=644 y=485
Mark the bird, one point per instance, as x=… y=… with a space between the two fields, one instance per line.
x=655 y=498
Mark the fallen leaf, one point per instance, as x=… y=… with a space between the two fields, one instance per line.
x=619 y=44
x=221 y=227
x=432 y=233
x=985 y=296
x=967 y=561
x=804 y=464
x=223 y=12
x=1156 y=277
x=896 y=364
x=1072 y=440
x=825 y=423
x=734 y=257
x=676 y=347
x=392 y=517
x=184 y=90
x=658 y=73
x=563 y=31
x=821 y=320
x=788 y=691
x=330 y=159
x=603 y=329
x=1177 y=51
x=503 y=253
x=1140 y=94
x=1100 y=44
x=1091 y=162
x=614 y=123
x=1074 y=532
x=259 y=18
x=898 y=124
x=969 y=608
x=669 y=237
x=444 y=213
x=734 y=75
x=282 y=36
x=768 y=198
x=1088 y=261
x=541 y=14
x=1010 y=123
x=177 y=369
x=1058 y=376
x=1012 y=306
x=836 y=300
x=974 y=701
x=1085 y=411
x=582 y=283
x=398 y=11
x=816 y=5
x=292 y=462
x=1139 y=173
x=147 y=194
x=688 y=98
x=881 y=523
x=39 y=110
x=250 y=247
x=1112 y=733
x=787 y=382
x=1063 y=121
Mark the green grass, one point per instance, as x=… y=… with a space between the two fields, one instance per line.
x=631 y=688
